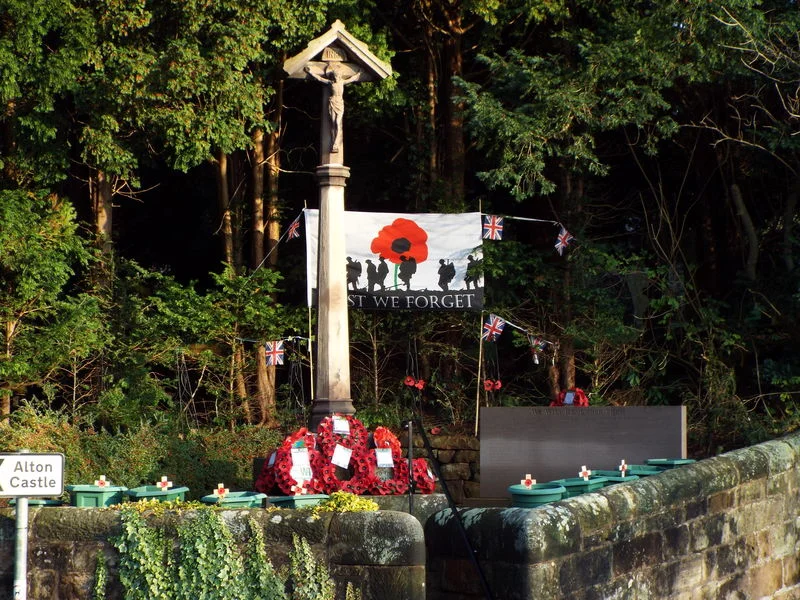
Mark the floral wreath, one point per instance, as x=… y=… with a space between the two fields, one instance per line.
x=396 y=484
x=267 y=479
x=356 y=441
x=363 y=463
x=361 y=468
x=282 y=466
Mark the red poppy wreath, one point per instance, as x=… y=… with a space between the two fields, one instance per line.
x=276 y=472
x=363 y=467
x=396 y=484
x=328 y=437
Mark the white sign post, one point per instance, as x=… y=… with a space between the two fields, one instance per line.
x=23 y=475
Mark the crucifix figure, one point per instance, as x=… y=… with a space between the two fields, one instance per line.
x=334 y=75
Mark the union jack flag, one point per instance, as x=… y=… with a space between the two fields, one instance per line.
x=492 y=328
x=564 y=238
x=492 y=227
x=274 y=352
x=294 y=229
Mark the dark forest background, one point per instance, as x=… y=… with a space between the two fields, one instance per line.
x=152 y=155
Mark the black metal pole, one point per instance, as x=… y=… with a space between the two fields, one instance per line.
x=411 y=467
x=454 y=509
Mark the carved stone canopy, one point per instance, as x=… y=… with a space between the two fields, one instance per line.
x=338 y=45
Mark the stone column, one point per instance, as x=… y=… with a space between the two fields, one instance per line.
x=333 y=332
x=334 y=59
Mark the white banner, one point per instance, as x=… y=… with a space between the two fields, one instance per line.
x=400 y=261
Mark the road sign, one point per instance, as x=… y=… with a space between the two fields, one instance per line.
x=29 y=475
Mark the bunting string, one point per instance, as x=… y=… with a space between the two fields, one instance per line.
x=493 y=226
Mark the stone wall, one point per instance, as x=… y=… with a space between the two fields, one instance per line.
x=382 y=553
x=726 y=527
x=459 y=461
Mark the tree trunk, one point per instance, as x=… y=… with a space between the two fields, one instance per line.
x=100 y=190
x=257 y=200
x=222 y=164
x=224 y=204
x=265 y=381
x=571 y=194
x=567 y=345
x=5 y=406
x=430 y=138
x=454 y=157
x=8 y=144
x=265 y=374
x=788 y=219
x=266 y=234
x=100 y=195
x=554 y=380
x=273 y=231
x=256 y=259
x=752 y=237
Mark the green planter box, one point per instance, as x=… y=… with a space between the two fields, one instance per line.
x=301 y=501
x=576 y=486
x=615 y=477
x=644 y=470
x=537 y=495
x=669 y=463
x=93 y=496
x=153 y=492
x=237 y=500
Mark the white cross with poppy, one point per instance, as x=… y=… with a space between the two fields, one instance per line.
x=300 y=488
x=164 y=484
x=623 y=468
x=221 y=491
x=584 y=473
x=528 y=482
x=102 y=482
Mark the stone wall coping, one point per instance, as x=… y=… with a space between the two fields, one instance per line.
x=384 y=537
x=526 y=536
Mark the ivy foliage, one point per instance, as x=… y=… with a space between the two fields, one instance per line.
x=208 y=565
x=308 y=578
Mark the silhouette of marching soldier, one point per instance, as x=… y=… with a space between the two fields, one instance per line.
x=353 y=272
x=383 y=271
x=447 y=271
x=372 y=275
x=473 y=275
x=408 y=266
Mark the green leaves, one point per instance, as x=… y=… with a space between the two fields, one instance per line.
x=42 y=252
x=308 y=578
x=207 y=564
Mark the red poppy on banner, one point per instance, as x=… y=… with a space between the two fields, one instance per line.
x=402 y=240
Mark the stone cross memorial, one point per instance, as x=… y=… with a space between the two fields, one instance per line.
x=335 y=60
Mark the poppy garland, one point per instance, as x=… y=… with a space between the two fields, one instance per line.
x=363 y=467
